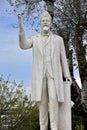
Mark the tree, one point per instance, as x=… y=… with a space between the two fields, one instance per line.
x=74 y=23
x=77 y=120
x=16 y=111
x=72 y=15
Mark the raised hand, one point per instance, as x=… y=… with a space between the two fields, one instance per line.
x=20 y=22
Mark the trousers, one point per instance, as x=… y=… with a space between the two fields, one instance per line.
x=48 y=104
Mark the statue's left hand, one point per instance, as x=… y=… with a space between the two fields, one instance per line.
x=69 y=80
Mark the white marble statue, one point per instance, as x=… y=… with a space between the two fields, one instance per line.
x=49 y=67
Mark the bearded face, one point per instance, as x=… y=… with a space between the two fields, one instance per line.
x=45 y=21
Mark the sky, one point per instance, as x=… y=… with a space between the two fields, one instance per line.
x=13 y=60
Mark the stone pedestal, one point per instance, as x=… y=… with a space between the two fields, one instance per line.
x=65 y=109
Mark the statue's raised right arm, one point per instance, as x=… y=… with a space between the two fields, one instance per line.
x=23 y=42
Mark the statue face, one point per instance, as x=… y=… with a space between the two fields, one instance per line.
x=45 y=23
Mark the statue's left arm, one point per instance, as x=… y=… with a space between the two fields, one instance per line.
x=64 y=63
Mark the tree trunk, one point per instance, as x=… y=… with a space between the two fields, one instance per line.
x=82 y=63
x=84 y=101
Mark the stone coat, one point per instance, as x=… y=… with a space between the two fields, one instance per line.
x=59 y=64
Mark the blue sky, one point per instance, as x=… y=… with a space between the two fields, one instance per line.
x=13 y=60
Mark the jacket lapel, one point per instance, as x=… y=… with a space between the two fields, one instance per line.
x=51 y=41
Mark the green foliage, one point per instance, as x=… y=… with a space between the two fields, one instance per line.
x=77 y=119
x=16 y=111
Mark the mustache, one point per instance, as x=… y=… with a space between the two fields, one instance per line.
x=45 y=25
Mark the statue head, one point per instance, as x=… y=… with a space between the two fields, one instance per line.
x=45 y=20
x=45 y=14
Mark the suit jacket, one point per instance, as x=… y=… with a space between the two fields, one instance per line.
x=59 y=64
